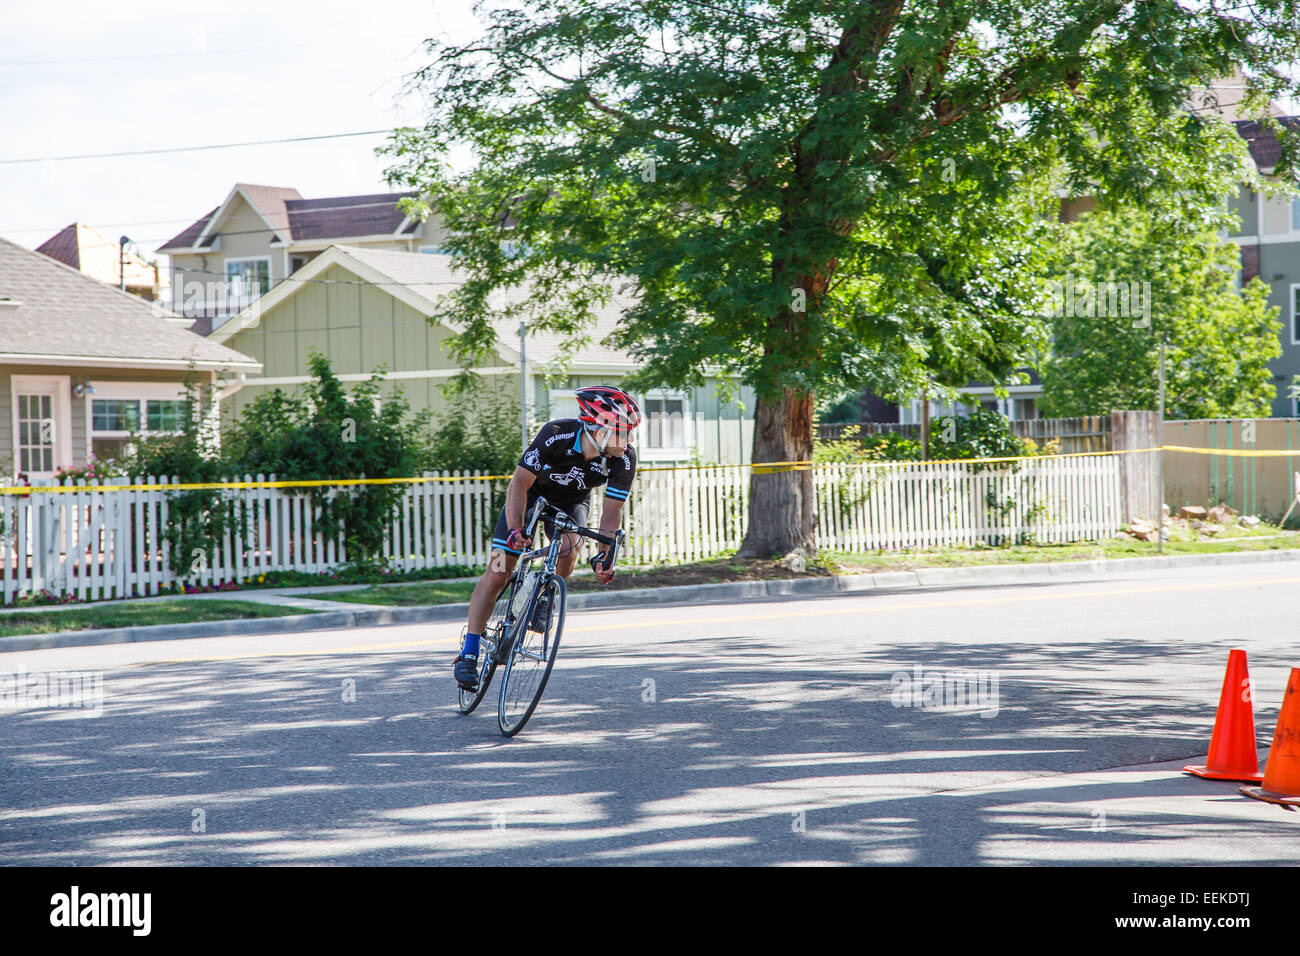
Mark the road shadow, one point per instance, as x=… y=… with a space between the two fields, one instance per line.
x=735 y=750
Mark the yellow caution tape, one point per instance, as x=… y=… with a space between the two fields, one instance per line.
x=1237 y=452
x=759 y=468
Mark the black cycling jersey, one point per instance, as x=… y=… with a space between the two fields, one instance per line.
x=563 y=472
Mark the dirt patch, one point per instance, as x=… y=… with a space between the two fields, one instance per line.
x=708 y=572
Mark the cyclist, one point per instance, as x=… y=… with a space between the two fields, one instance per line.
x=568 y=458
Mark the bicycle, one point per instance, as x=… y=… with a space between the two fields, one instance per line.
x=523 y=636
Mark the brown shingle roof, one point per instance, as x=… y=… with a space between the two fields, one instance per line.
x=68 y=314
x=342 y=217
x=334 y=217
x=185 y=238
x=90 y=251
x=63 y=246
x=1263 y=144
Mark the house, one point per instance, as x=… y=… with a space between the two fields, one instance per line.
x=367 y=307
x=85 y=248
x=1269 y=238
x=260 y=234
x=84 y=365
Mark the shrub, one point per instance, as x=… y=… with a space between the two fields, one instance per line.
x=327 y=432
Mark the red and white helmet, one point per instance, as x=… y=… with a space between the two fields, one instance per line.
x=604 y=406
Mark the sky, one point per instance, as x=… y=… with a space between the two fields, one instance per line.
x=82 y=77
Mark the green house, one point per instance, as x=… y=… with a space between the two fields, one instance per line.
x=367 y=308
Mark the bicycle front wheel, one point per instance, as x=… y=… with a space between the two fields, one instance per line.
x=535 y=637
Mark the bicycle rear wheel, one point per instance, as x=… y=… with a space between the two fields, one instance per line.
x=532 y=655
x=487 y=652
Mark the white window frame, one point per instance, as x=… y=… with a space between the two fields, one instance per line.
x=60 y=386
x=644 y=451
x=237 y=260
x=141 y=392
x=1291 y=325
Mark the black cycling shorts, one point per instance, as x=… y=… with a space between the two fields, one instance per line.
x=576 y=510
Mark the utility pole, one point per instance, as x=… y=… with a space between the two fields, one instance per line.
x=925 y=424
x=1160 y=457
x=523 y=385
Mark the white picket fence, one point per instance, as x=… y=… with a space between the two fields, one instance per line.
x=97 y=543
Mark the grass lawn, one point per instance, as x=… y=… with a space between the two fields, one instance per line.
x=1231 y=540
x=137 y=614
x=724 y=569
x=407 y=595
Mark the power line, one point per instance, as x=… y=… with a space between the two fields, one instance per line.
x=242 y=232
x=188 y=53
x=191 y=149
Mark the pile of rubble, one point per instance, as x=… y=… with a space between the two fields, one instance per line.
x=1192 y=520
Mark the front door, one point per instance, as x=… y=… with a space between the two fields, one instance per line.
x=41 y=439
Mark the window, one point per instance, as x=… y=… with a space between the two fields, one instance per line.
x=166 y=415
x=126 y=410
x=665 y=424
x=35 y=433
x=1295 y=315
x=114 y=415
x=1295 y=215
x=1025 y=409
x=248 y=278
x=563 y=405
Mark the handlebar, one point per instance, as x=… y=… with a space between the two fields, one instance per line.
x=614 y=541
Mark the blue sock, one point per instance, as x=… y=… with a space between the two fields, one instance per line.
x=471 y=645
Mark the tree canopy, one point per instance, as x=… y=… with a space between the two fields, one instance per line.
x=814 y=196
x=1220 y=341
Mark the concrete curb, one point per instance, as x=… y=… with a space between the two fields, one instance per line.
x=368 y=616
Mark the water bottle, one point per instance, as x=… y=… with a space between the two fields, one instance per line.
x=523 y=594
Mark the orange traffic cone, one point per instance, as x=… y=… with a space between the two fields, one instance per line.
x=1282 y=771
x=1232 y=745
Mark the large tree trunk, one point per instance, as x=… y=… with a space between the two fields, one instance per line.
x=782 y=507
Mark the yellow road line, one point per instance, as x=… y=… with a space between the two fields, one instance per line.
x=736 y=618
x=957 y=603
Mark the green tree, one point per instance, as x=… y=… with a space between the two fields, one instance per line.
x=197 y=519
x=1220 y=341
x=813 y=196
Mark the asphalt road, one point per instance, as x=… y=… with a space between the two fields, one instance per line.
x=762 y=732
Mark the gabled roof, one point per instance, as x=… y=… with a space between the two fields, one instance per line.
x=186 y=238
x=88 y=250
x=267 y=201
x=418 y=280
x=293 y=218
x=66 y=316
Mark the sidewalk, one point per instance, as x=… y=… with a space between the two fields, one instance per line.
x=285 y=596
x=332 y=615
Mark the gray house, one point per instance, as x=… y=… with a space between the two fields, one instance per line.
x=83 y=366
x=1269 y=238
